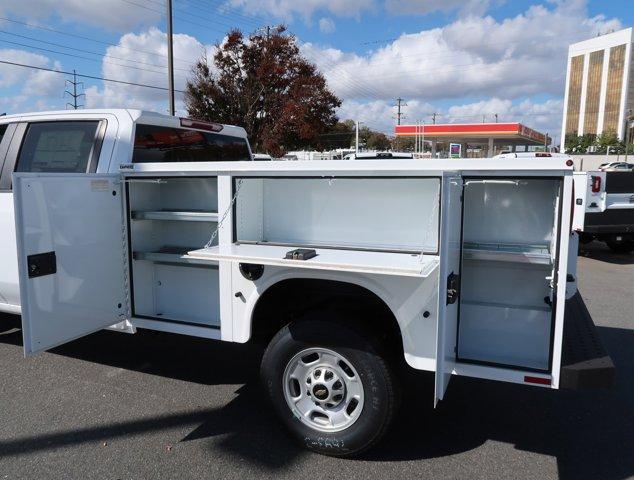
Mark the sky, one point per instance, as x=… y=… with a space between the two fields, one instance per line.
x=464 y=60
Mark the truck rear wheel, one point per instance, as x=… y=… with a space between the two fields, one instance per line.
x=329 y=386
x=621 y=247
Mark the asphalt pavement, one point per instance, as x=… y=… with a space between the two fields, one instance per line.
x=153 y=405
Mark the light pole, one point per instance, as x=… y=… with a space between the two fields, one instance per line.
x=356 y=148
x=629 y=125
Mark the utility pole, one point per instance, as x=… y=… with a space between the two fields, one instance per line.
x=170 y=59
x=433 y=117
x=399 y=104
x=74 y=95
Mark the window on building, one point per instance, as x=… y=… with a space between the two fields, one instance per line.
x=166 y=144
x=64 y=147
x=574 y=94
x=612 y=109
x=593 y=95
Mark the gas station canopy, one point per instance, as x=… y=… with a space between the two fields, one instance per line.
x=490 y=134
x=509 y=133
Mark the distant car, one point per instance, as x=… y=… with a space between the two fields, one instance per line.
x=378 y=156
x=620 y=167
x=611 y=166
x=262 y=157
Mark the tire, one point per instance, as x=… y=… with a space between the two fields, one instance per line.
x=585 y=238
x=621 y=247
x=330 y=433
x=9 y=322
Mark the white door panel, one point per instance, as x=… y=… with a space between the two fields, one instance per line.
x=448 y=302
x=9 y=285
x=78 y=218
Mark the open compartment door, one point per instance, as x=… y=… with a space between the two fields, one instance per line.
x=449 y=282
x=71 y=256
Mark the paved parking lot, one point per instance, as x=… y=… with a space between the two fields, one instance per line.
x=151 y=405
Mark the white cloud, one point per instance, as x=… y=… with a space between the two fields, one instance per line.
x=472 y=56
x=141 y=51
x=544 y=116
x=288 y=9
x=423 y=7
x=29 y=85
x=326 y=25
x=113 y=15
x=381 y=115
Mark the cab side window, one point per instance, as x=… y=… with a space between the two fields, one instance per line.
x=64 y=147
x=3 y=129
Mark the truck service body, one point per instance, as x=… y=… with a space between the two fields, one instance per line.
x=459 y=267
x=609 y=209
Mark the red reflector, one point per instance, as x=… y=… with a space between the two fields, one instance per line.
x=570 y=163
x=596 y=184
x=210 y=127
x=538 y=380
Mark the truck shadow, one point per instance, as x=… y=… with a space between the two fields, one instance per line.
x=589 y=433
x=599 y=251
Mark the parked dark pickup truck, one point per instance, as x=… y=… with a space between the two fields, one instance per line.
x=610 y=210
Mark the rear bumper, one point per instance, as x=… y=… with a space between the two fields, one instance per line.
x=616 y=220
x=584 y=364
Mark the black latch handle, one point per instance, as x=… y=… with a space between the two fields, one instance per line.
x=41 y=264
x=453 y=288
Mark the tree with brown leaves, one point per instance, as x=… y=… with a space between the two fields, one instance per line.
x=262 y=83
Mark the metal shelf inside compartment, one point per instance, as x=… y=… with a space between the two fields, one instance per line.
x=186 y=216
x=508 y=252
x=174 y=255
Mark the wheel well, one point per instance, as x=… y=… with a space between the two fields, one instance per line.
x=290 y=300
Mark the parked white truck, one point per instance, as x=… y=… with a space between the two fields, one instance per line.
x=345 y=269
x=609 y=209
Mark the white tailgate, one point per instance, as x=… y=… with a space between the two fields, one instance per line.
x=78 y=285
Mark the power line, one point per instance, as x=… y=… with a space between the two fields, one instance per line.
x=230 y=15
x=92 y=77
x=181 y=19
x=80 y=56
x=105 y=55
x=82 y=37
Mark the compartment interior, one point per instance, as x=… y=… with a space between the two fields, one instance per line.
x=391 y=214
x=169 y=217
x=509 y=232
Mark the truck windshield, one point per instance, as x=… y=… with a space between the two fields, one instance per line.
x=165 y=144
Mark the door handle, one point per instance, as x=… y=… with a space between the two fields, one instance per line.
x=41 y=264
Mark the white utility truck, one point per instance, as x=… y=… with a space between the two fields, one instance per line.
x=609 y=209
x=345 y=269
